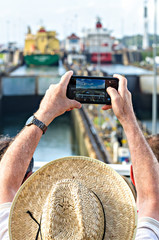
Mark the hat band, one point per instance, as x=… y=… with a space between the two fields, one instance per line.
x=39 y=224
x=103 y=214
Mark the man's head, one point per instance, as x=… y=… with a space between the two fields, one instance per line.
x=74 y=198
x=153 y=141
x=5 y=142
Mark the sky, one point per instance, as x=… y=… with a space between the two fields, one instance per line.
x=122 y=17
x=88 y=84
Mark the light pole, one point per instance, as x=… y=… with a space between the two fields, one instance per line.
x=154 y=100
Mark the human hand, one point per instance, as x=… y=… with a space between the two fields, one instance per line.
x=55 y=101
x=121 y=101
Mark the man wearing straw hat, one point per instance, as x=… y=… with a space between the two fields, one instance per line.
x=78 y=197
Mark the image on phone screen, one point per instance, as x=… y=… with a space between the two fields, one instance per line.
x=91 y=91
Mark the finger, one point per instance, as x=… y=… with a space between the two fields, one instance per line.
x=122 y=84
x=66 y=78
x=121 y=78
x=113 y=93
x=106 y=107
x=75 y=104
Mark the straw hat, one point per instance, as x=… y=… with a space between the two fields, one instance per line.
x=74 y=198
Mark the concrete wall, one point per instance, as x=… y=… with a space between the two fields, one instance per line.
x=22 y=93
x=85 y=146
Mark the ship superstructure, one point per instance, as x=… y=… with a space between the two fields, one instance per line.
x=98 y=43
x=41 y=48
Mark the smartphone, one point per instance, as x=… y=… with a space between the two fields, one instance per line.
x=87 y=89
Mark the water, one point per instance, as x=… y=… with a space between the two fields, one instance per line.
x=58 y=141
x=124 y=70
x=39 y=71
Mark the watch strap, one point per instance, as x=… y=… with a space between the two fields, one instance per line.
x=39 y=124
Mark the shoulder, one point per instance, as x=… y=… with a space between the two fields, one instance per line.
x=148 y=228
x=4 y=216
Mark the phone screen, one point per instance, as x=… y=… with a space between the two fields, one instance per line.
x=91 y=90
x=88 y=90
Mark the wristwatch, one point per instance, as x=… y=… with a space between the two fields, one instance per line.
x=38 y=123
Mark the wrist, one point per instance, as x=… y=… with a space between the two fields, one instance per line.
x=44 y=117
x=129 y=122
x=131 y=127
x=35 y=121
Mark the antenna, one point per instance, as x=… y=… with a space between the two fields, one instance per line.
x=145 y=42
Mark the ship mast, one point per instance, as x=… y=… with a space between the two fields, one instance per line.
x=98 y=27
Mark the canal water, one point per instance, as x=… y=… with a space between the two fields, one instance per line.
x=59 y=140
x=40 y=71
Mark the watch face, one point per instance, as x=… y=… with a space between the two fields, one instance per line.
x=29 y=121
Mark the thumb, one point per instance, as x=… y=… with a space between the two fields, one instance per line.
x=66 y=78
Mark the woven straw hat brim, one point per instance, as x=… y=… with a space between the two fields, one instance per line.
x=114 y=193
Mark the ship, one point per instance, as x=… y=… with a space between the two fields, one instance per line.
x=98 y=44
x=41 y=49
